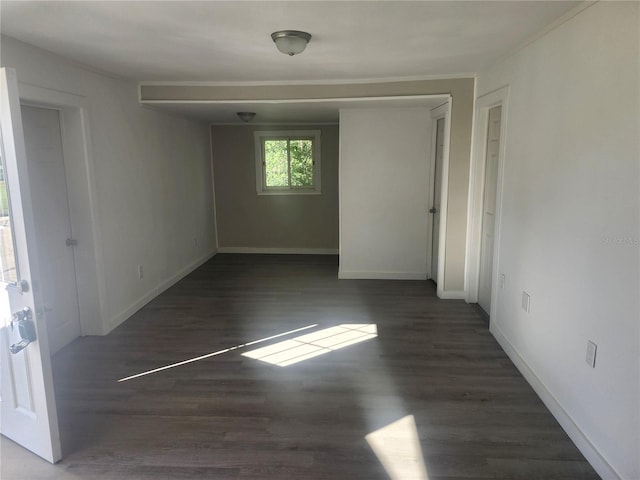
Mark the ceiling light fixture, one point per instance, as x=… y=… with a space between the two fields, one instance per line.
x=246 y=116
x=291 y=42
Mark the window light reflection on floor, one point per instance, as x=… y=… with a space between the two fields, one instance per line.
x=213 y=354
x=397 y=446
x=304 y=347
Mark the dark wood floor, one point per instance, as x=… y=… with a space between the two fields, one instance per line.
x=233 y=417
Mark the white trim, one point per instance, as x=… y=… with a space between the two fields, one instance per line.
x=414 y=78
x=125 y=314
x=476 y=194
x=430 y=189
x=279 y=251
x=213 y=188
x=470 y=202
x=291 y=191
x=239 y=123
x=452 y=295
x=82 y=199
x=579 y=438
x=315 y=135
x=444 y=203
x=300 y=100
x=351 y=275
x=339 y=196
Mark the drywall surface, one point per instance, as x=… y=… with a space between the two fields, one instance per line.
x=384 y=169
x=153 y=182
x=246 y=220
x=570 y=230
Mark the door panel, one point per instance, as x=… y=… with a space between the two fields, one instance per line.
x=27 y=401
x=489 y=208
x=45 y=158
x=437 y=194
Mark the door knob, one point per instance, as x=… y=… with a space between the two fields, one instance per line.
x=71 y=242
x=432 y=210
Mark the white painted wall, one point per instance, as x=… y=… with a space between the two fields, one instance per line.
x=570 y=227
x=153 y=183
x=384 y=171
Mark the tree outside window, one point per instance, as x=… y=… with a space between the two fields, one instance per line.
x=288 y=162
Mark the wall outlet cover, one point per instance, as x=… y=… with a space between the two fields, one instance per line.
x=526 y=301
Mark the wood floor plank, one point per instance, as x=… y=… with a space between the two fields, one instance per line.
x=229 y=416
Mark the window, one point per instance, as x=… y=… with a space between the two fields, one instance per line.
x=287 y=162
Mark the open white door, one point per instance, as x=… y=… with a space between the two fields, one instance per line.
x=485 y=279
x=437 y=198
x=27 y=402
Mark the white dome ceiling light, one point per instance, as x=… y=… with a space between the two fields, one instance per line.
x=291 y=42
x=246 y=116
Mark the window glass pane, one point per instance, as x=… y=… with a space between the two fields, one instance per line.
x=301 y=163
x=276 y=171
x=8 y=271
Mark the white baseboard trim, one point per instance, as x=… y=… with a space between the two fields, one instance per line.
x=280 y=251
x=590 y=452
x=451 y=295
x=346 y=275
x=154 y=292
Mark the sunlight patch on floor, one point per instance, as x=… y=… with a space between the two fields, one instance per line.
x=397 y=446
x=314 y=344
x=213 y=354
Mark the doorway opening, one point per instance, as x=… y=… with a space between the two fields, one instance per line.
x=485 y=277
x=438 y=194
x=58 y=146
x=485 y=196
x=54 y=236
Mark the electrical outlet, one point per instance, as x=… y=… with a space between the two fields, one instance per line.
x=591 y=354
x=502 y=280
x=140 y=272
x=526 y=301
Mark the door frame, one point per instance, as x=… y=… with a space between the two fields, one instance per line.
x=484 y=103
x=442 y=111
x=33 y=424
x=82 y=196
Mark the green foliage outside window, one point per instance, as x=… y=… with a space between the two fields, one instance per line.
x=288 y=163
x=276 y=164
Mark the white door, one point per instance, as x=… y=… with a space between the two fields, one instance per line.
x=437 y=193
x=27 y=401
x=489 y=208
x=50 y=204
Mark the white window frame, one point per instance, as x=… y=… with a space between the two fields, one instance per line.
x=261 y=136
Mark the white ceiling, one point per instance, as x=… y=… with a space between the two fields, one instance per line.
x=229 y=41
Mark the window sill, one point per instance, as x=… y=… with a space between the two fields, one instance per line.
x=290 y=192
